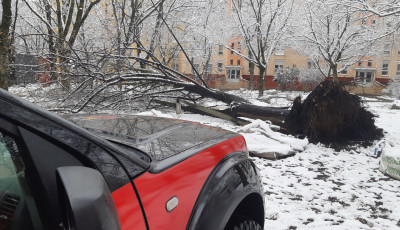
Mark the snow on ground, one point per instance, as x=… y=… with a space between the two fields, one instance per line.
x=317 y=188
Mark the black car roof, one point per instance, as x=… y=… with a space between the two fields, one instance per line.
x=34 y=109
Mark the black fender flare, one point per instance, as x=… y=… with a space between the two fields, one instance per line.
x=233 y=180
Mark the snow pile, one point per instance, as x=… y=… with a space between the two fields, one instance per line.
x=155 y=113
x=263 y=146
x=262 y=141
x=27 y=90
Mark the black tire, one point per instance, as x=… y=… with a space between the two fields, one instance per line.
x=244 y=224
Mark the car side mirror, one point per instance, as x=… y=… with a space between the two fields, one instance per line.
x=85 y=199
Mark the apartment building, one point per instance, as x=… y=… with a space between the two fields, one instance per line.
x=228 y=70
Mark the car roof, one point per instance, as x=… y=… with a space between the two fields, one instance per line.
x=31 y=108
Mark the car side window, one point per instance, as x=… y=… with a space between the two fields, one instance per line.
x=18 y=209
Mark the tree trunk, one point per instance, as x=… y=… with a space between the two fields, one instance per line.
x=335 y=73
x=11 y=57
x=5 y=43
x=251 y=66
x=240 y=107
x=261 y=82
x=156 y=33
x=64 y=71
x=3 y=72
x=275 y=115
x=215 y=94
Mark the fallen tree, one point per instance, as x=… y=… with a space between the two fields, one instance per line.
x=332 y=115
x=158 y=83
x=329 y=114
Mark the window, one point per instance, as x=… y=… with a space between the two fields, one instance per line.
x=360 y=63
x=280 y=52
x=364 y=21
x=208 y=68
x=369 y=63
x=278 y=66
x=220 y=49
x=238 y=62
x=219 y=66
x=310 y=64
x=233 y=73
x=232 y=47
x=364 y=77
x=386 y=49
x=398 y=53
x=344 y=70
x=16 y=195
x=239 y=47
x=175 y=66
x=385 y=68
x=398 y=69
x=231 y=62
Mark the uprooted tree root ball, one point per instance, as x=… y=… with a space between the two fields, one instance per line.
x=331 y=115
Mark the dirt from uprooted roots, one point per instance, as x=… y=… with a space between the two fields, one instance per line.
x=331 y=115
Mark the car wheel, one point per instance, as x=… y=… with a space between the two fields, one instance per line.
x=244 y=224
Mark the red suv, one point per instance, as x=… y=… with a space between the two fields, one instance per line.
x=122 y=172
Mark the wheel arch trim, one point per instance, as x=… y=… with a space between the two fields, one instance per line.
x=232 y=181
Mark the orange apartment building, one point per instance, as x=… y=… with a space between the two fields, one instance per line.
x=227 y=70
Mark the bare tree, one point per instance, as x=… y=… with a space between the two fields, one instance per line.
x=123 y=51
x=381 y=8
x=63 y=21
x=202 y=22
x=338 y=35
x=263 y=25
x=5 y=43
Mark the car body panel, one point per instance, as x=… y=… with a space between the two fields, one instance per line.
x=128 y=208
x=232 y=181
x=184 y=181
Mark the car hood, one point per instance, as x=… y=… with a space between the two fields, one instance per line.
x=162 y=139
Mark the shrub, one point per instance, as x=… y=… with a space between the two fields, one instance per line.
x=309 y=78
x=393 y=88
x=287 y=79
